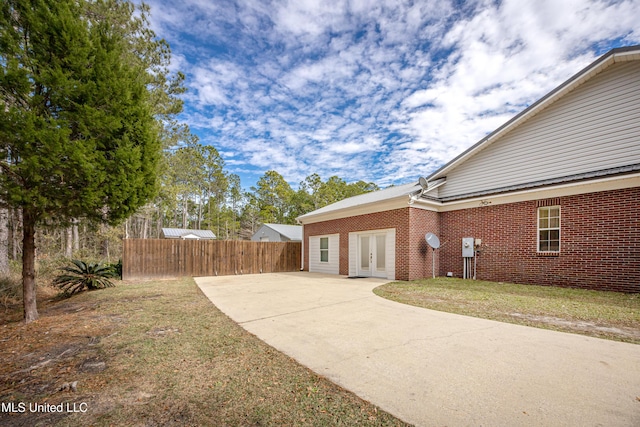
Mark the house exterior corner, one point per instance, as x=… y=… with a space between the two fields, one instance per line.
x=406 y=256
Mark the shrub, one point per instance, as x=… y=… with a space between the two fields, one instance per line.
x=10 y=289
x=84 y=276
x=117 y=269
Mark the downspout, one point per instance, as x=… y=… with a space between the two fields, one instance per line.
x=302 y=252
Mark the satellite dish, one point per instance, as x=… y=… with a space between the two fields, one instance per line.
x=432 y=240
x=423 y=183
x=424 y=186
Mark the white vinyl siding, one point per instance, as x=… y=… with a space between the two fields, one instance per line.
x=595 y=127
x=318 y=255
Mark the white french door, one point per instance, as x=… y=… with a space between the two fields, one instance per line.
x=372 y=255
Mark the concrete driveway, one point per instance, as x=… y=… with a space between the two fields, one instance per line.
x=431 y=368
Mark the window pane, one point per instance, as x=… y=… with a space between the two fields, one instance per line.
x=364 y=252
x=324 y=243
x=324 y=255
x=549 y=229
x=380 y=252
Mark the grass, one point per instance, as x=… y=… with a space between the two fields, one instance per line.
x=159 y=353
x=609 y=315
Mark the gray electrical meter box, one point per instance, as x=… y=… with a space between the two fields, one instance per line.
x=467 y=247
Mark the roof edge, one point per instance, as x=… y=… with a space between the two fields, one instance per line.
x=360 y=209
x=362 y=201
x=611 y=172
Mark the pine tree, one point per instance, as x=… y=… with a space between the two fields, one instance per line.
x=78 y=137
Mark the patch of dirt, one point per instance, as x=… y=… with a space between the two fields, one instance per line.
x=163 y=332
x=141 y=298
x=580 y=326
x=70 y=307
x=9 y=419
x=111 y=317
x=51 y=360
x=92 y=364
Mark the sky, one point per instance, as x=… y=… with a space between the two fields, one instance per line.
x=383 y=91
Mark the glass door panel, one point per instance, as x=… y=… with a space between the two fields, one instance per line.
x=381 y=252
x=365 y=254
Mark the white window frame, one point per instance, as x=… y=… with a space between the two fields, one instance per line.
x=324 y=250
x=549 y=228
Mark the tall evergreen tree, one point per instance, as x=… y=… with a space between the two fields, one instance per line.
x=78 y=136
x=273 y=196
x=235 y=198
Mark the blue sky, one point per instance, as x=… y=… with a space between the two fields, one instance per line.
x=375 y=90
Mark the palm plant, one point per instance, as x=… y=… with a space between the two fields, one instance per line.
x=84 y=276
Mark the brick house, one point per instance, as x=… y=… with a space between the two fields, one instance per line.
x=551 y=197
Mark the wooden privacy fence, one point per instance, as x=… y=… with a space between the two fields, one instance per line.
x=157 y=258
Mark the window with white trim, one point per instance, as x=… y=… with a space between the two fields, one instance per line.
x=324 y=249
x=549 y=229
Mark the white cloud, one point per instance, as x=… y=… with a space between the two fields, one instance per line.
x=505 y=58
x=369 y=89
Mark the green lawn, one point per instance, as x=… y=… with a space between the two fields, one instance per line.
x=608 y=315
x=159 y=353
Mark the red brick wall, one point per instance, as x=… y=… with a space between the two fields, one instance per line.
x=413 y=261
x=397 y=218
x=419 y=252
x=600 y=242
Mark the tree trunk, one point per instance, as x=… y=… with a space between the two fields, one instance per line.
x=159 y=223
x=144 y=226
x=4 y=241
x=185 y=213
x=200 y=213
x=76 y=236
x=68 y=247
x=29 y=266
x=16 y=227
x=84 y=235
x=104 y=242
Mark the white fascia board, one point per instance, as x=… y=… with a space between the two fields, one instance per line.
x=427 y=205
x=386 y=205
x=560 y=190
x=632 y=55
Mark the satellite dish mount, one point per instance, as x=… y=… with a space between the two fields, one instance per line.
x=434 y=243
